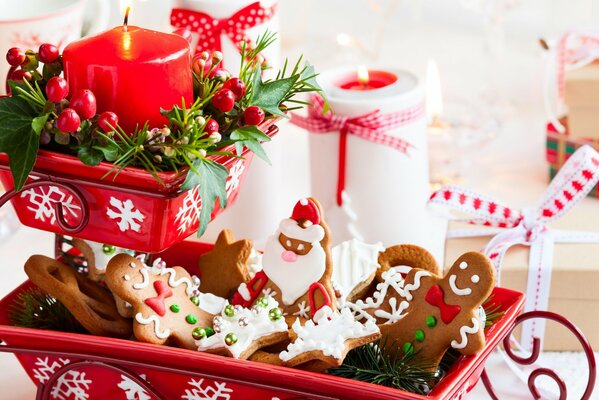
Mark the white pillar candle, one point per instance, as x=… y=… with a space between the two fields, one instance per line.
x=387 y=189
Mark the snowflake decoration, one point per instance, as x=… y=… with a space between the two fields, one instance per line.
x=303 y=310
x=189 y=212
x=234 y=177
x=132 y=390
x=126 y=214
x=71 y=385
x=46 y=368
x=396 y=313
x=42 y=200
x=269 y=292
x=201 y=391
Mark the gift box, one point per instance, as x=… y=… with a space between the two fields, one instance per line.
x=560 y=146
x=117 y=369
x=582 y=100
x=575 y=271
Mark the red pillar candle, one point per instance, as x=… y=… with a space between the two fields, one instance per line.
x=366 y=79
x=133 y=72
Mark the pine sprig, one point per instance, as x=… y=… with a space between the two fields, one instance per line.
x=382 y=365
x=492 y=311
x=34 y=308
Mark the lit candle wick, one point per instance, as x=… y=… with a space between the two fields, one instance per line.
x=126 y=20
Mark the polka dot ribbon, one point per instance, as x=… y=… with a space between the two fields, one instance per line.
x=210 y=29
x=573 y=50
x=371 y=127
x=526 y=227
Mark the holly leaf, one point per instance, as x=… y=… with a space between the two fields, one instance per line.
x=309 y=78
x=18 y=138
x=250 y=137
x=90 y=155
x=210 y=178
x=270 y=95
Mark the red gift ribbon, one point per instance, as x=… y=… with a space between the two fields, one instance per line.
x=371 y=127
x=210 y=29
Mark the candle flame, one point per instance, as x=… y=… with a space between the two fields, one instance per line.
x=363 y=76
x=126 y=6
x=344 y=40
x=434 y=93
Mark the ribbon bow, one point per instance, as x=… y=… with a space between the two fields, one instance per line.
x=528 y=227
x=435 y=297
x=157 y=303
x=210 y=29
x=371 y=126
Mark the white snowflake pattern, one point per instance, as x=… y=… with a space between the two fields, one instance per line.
x=132 y=390
x=71 y=385
x=201 y=391
x=126 y=214
x=47 y=367
x=303 y=310
x=189 y=212
x=42 y=200
x=234 y=177
x=269 y=292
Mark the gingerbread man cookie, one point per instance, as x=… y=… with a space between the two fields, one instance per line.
x=295 y=257
x=239 y=332
x=97 y=256
x=443 y=312
x=165 y=301
x=225 y=267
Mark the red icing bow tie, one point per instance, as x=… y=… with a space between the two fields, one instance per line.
x=210 y=29
x=434 y=297
x=157 y=303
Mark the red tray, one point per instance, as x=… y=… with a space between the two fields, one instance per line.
x=185 y=374
x=133 y=206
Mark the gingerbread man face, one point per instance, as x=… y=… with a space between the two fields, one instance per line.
x=443 y=312
x=165 y=302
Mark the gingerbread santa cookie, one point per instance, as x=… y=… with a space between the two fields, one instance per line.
x=166 y=302
x=443 y=312
x=97 y=256
x=390 y=300
x=295 y=257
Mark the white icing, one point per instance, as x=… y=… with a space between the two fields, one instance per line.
x=454 y=288
x=293 y=278
x=353 y=262
x=100 y=258
x=328 y=335
x=210 y=303
x=303 y=309
x=464 y=330
x=300 y=247
x=269 y=292
x=395 y=314
x=145 y=321
x=258 y=325
x=304 y=202
x=463 y=265
x=391 y=280
x=475 y=278
x=173 y=282
x=254 y=262
x=127 y=277
x=288 y=242
x=311 y=234
x=244 y=292
x=403 y=269
x=323 y=312
x=133 y=265
x=145 y=281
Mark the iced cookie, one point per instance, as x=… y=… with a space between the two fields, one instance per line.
x=97 y=256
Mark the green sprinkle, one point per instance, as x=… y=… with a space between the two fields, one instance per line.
x=195 y=300
x=262 y=302
x=175 y=308
x=229 y=310
x=431 y=321
x=408 y=348
x=419 y=335
x=108 y=249
x=199 y=333
x=275 y=314
x=191 y=319
x=230 y=339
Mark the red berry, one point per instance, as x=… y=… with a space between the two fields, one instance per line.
x=20 y=75
x=84 y=102
x=108 y=121
x=253 y=115
x=68 y=121
x=57 y=89
x=237 y=86
x=48 y=53
x=211 y=126
x=224 y=100
x=15 y=56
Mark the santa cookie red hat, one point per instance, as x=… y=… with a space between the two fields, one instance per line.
x=306 y=210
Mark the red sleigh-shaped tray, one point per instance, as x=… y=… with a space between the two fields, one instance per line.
x=64 y=196
x=73 y=366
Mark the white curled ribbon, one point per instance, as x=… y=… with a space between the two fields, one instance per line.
x=528 y=227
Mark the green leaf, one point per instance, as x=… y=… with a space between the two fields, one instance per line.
x=270 y=95
x=210 y=178
x=250 y=137
x=309 y=77
x=90 y=156
x=111 y=151
x=17 y=137
x=38 y=123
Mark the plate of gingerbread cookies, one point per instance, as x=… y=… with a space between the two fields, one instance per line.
x=298 y=318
